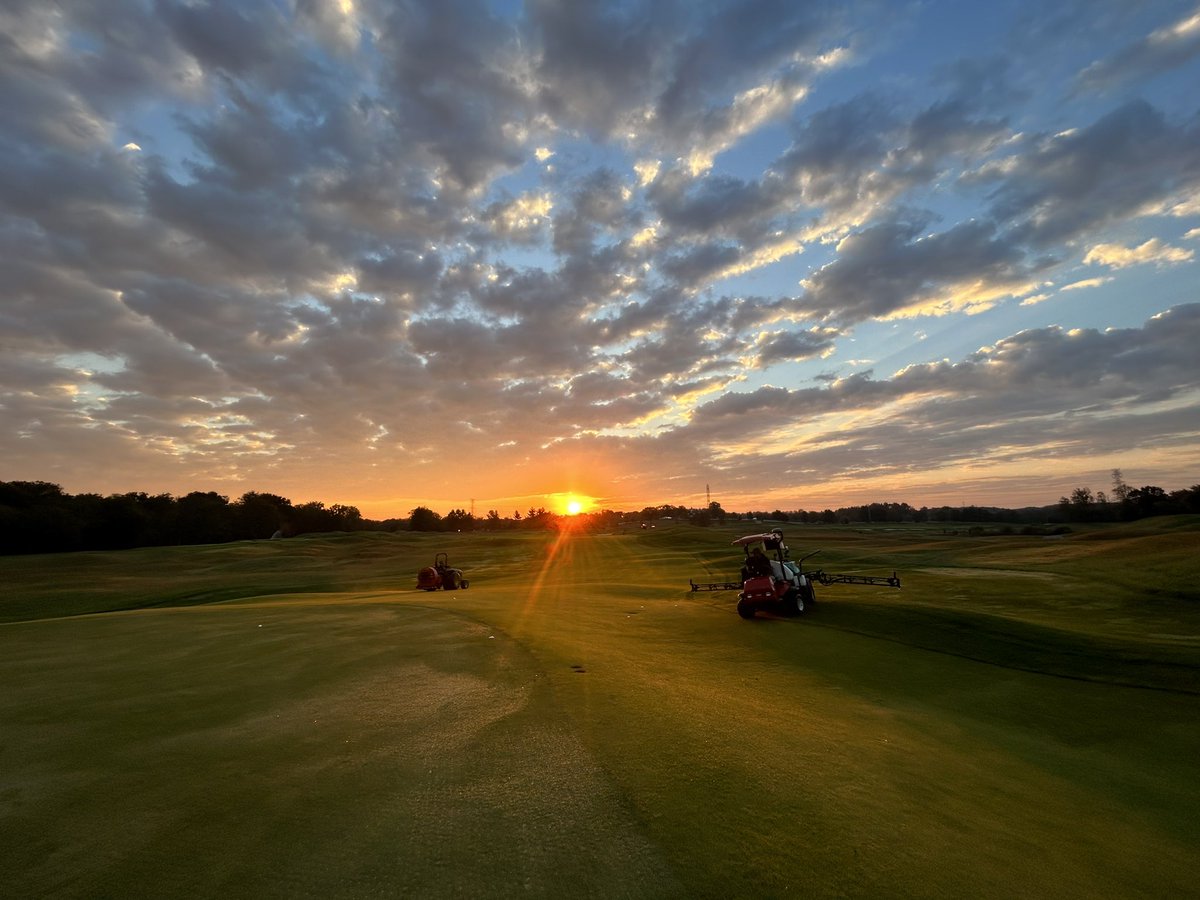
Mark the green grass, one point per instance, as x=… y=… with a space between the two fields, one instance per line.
x=292 y=718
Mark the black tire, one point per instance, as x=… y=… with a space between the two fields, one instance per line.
x=793 y=602
x=745 y=610
x=810 y=595
x=450 y=581
x=465 y=584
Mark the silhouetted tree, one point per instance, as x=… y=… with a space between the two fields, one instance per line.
x=458 y=520
x=260 y=515
x=1120 y=489
x=424 y=519
x=203 y=518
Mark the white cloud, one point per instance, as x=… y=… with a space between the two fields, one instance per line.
x=1085 y=284
x=1156 y=251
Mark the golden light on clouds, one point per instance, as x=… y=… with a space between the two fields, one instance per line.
x=1152 y=251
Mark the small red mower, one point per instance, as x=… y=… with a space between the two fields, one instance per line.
x=773 y=583
x=441 y=575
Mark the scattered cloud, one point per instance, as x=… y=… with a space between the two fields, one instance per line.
x=364 y=250
x=1084 y=284
x=1165 y=48
x=1117 y=256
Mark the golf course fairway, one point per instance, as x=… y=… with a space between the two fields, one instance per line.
x=294 y=719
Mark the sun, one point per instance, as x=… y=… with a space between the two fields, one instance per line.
x=568 y=503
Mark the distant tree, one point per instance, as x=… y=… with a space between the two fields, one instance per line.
x=458 y=520
x=1188 y=499
x=125 y=521
x=203 y=517
x=346 y=518
x=1120 y=490
x=1064 y=508
x=309 y=518
x=424 y=519
x=260 y=515
x=1149 y=500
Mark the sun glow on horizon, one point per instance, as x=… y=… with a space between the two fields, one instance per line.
x=572 y=504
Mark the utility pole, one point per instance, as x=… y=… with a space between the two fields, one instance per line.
x=707 y=496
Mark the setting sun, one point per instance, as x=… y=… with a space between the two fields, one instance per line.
x=571 y=504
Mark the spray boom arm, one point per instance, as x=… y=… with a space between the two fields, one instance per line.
x=818 y=575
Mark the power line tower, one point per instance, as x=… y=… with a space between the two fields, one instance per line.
x=472 y=507
x=707 y=496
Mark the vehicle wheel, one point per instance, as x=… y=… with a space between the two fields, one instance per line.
x=450 y=581
x=809 y=595
x=745 y=610
x=793 y=602
x=465 y=584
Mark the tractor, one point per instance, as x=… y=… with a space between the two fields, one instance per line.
x=771 y=582
x=441 y=575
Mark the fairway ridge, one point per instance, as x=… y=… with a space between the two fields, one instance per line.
x=579 y=723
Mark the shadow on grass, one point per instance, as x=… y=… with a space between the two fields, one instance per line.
x=1022 y=646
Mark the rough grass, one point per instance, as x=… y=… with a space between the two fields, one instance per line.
x=292 y=718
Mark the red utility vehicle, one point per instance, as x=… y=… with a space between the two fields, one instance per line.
x=773 y=583
x=441 y=575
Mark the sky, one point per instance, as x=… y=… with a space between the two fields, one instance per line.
x=499 y=255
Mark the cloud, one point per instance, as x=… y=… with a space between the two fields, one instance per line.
x=1084 y=284
x=1117 y=256
x=1165 y=48
x=375 y=243
x=1125 y=164
x=895 y=269
x=1002 y=404
x=781 y=346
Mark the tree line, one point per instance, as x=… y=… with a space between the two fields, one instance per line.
x=1126 y=503
x=39 y=517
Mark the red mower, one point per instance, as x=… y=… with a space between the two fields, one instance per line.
x=441 y=575
x=773 y=583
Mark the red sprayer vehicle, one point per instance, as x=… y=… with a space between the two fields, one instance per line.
x=773 y=583
x=441 y=575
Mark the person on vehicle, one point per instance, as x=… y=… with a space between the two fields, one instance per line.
x=757 y=564
x=785 y=570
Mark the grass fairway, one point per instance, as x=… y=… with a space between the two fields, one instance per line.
x=292 y=718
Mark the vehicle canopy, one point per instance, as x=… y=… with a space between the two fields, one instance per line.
x=770 y=541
